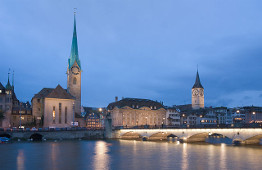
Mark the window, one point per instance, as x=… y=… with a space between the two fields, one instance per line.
x=60 y=112
x=65 y=114
x=39 y=109
x=38 y=100
x=74 y=80
x=22 y=117
x=53 y=114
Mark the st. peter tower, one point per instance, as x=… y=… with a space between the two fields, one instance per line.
x=197 y=94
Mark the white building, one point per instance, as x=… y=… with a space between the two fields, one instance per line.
x=173 y=117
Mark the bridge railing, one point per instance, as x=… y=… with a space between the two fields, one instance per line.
x=190 y=127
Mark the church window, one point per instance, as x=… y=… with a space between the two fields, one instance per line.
x=53 y=114
x=74 y=80
x=60 y=112
x=65 y=114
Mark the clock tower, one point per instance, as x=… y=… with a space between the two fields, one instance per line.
x=74 y=73
x=197 y=94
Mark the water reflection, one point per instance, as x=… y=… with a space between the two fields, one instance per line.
x=223 y=156
x=127 y=155
x=101 y=158
x=20 y=160
x=184 y=164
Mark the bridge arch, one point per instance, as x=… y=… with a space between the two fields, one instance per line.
x=162 y=136
x=36 y=137
x=6 y=135
x=253 y=140
x=131 y=135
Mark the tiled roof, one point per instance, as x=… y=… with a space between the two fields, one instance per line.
x=58 y=92
x=136 y=103
x=43 y=93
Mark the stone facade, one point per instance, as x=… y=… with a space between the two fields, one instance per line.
x=53 y=108
x=131 y=112
x=58 y=113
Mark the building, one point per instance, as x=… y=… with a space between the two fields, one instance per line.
x=130 y=112
x=223 y=116
x=253 y=114
x=238 y=116
x=74 y=73
x=8 y=101
x=94 y=117
x=172 y=117
x=197 y=94
x=53 y=108
x=22 y=115
x=206 y=118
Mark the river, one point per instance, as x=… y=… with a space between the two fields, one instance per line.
x=126 y=155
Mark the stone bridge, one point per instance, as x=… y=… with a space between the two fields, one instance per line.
x=39 y=135
x=242 y=135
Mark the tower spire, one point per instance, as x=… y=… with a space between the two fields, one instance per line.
x=74 y=48
x=8 y=85
x=197 y=82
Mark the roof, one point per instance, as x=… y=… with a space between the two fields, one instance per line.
x=74 y=49
x=197 y=82
x=43 y=93
x=8 y=85
x=136 y=103
x=58 y=92
x=1 y=86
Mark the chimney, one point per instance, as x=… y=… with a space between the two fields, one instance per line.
x=116 y=99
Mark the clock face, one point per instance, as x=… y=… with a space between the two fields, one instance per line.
x=75 y=70
x=201 y=92
x=195 y=92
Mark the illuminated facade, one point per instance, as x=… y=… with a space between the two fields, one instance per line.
x=130 y=112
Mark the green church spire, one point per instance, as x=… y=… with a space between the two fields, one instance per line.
x=74 y=49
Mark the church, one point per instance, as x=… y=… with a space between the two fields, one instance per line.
x=59 y=107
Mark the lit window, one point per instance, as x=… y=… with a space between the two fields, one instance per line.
x=22 y=117
x=53 y=114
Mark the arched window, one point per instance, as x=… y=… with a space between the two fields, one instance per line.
x=74 y=80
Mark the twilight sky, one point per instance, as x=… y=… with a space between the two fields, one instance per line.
x=136 y=48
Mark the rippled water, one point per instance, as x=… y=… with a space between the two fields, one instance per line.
x=127 y=155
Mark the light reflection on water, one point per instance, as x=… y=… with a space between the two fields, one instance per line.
x=127 y=155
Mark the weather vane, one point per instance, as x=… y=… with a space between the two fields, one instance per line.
x=75 y=10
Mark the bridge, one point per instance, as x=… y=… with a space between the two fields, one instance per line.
x=53 y=135
x=241 y=135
